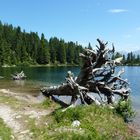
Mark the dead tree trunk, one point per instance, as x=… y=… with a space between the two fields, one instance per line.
x=97 y=75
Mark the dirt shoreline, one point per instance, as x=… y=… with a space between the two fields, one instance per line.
x=17 y=118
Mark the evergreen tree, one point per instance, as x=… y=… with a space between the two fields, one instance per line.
x=138 y=58
x=70 y=52
x=61 y=52
x=118 y=55
x=89 y=46
x=124 y=59
x=128 y=58
x=4 y=53
x=18 y=47
x=53 y=42
x=43 y=51
x=13 y=58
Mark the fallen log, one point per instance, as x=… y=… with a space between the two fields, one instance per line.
x=18 y=76
x=97 y=75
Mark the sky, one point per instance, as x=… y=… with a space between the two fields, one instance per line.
x=115 y=21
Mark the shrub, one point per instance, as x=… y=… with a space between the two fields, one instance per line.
x=124 y=108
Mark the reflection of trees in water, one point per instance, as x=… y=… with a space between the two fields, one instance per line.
x=19 y=82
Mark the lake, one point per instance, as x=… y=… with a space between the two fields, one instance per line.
x=38 y=77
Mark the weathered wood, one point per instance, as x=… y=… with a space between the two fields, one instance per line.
x=97 y=75
x=18 y=76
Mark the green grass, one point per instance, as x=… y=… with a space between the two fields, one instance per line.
x=13 y=102
x=9 y=100
x=5 y=132
x=98 y=123
x=47 y=103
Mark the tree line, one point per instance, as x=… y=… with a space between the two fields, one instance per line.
x=128 y=59
x=20 y=47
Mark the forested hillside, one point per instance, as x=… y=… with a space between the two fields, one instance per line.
x=18 y=47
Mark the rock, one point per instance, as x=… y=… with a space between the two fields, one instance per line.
x=31 y=133
x=12 y=137
x=1 y=77
x=75 y=123
x=111 y=107
x=26 y=121
x=25 y=132
x=19 y=116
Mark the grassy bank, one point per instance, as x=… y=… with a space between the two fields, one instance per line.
x=99 y=123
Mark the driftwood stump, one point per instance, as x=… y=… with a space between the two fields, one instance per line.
x=97 y=76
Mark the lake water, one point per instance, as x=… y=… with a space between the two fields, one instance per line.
x=38 y=77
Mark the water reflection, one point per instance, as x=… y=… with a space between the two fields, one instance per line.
x=19 y=82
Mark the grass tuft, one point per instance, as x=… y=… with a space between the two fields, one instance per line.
x=5 y=132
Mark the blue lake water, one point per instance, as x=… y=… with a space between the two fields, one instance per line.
x=38 y=77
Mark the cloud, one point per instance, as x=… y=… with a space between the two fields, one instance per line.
x=115 y=11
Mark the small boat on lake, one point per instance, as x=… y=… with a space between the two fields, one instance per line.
x=19 y=76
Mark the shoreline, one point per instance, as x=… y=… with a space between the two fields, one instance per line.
x=48 y=65
x=60 y=65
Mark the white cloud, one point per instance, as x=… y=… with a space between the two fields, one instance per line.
x=117 y=10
